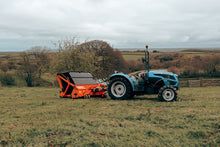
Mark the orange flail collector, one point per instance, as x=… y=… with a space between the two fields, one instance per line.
x=79 y=85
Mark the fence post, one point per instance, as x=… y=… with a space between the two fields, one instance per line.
x=201 y=82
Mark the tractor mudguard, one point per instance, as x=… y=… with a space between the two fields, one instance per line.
x=124 y=76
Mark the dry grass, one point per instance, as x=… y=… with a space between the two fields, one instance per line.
x=37 y=117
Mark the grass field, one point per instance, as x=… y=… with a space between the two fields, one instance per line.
x=38 y=117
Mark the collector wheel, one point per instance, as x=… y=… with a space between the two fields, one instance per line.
x=119 y=88
x=87 y=96
x=167 y=94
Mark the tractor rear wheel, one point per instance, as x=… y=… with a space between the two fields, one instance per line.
x=167 y=94
x=119 y=88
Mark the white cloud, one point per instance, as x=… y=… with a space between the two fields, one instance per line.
x=123 y=23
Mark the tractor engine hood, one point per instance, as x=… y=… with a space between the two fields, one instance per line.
x=164 y=74
x=168 y=77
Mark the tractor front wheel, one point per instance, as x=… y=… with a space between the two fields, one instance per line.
x=167 y=94
x=119 y=88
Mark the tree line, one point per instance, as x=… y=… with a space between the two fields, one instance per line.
x=99 y=58
x=96 y=57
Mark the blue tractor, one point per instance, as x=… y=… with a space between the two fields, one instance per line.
x=123 y=86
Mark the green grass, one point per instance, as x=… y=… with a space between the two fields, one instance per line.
x=132 y=55
x=38 y=117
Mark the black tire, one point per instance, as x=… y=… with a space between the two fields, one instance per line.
x=119 y=88
x=167 y=94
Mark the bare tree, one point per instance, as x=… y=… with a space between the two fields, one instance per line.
x=41 y=57
x=33 y=63
x=107 y=60
x=210 y=65
x=27 y=68
x=71 y=57
x=96 y=56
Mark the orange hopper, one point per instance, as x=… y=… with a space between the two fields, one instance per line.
x=79 y=85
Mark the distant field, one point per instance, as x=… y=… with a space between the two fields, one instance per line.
x=135 y=55
x=9 y=54
x=132 y=55
x=38 y=117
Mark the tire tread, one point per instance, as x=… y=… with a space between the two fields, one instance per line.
x=129 y=92
x=160 y=93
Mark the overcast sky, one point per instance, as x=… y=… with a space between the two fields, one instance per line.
x=122 y=23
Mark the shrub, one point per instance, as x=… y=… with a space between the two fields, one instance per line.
x=135 y=65
x=41 y=82
x=4 y=67
x=7 y=79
